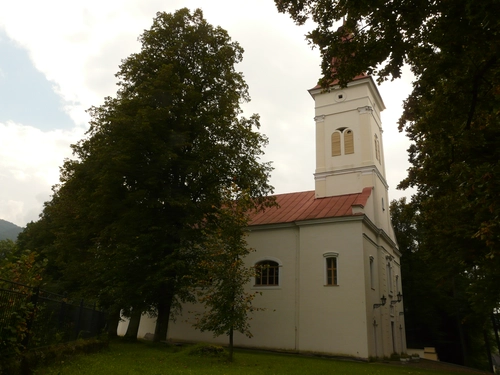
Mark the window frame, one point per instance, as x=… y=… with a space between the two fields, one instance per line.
x=336 y=143
x=331 y=257
x=276 y=269
x=348 y=136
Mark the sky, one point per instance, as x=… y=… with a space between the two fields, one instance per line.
x=59 y=58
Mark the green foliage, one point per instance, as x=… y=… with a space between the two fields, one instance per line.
x=148 y=180
x=25 y=268
x=31 y=361
x=438 y=310
x=223 y=273
x=16 y=305
x=7 y=250
x=207 y=350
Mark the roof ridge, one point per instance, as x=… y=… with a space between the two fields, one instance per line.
x=298 y=206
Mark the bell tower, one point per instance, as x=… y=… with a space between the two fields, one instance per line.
x=349 y=150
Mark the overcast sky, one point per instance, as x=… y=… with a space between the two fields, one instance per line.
x=59 y=57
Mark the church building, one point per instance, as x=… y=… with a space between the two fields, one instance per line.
x=330 y=271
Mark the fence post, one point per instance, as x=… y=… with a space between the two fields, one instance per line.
x=31 y=316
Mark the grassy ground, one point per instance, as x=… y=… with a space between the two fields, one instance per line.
x=124 y=358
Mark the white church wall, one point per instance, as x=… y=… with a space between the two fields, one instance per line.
x=304 y=314
x=274 y=327
x=332 y=318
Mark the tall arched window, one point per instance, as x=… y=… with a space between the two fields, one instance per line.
x=336 y=143
x=377 y=148
x=331 y=268
x=348 y=142
x=267 y=273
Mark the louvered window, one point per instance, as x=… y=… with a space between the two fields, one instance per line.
x=336 y=144
x=348 y=142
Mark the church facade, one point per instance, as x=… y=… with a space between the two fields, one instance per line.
x=327 y=260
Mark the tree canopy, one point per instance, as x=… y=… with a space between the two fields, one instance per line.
x=154 y=169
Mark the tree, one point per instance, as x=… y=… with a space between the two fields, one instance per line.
x=152 y=171
x=224 y=274
x=437 y=310
x=451 y=117
x=7 y=249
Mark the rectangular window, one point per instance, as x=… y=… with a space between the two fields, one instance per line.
x=331 y=271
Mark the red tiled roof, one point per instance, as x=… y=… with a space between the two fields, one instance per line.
x=304 y=206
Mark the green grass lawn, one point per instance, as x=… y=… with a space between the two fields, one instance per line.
x=124 y=358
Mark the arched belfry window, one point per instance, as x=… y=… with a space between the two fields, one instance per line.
x=348 y=142
x=342 y=142
x=267 y=273
x=336 y=143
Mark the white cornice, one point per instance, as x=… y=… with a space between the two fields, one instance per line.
x=361 y=110
x=363 y=170
x=365 y=109
x=366 y=80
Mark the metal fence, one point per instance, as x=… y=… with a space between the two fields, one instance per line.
x=31 y=317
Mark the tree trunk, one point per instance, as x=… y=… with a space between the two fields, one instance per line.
x=163 y=318
x=113 y=321
x=488 y=349
x=133 y=324
x=463 y=344
x=495 y=329
x=231 y=344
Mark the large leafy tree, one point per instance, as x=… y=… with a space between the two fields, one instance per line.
x=437 y=309
x=451 y=116
x=153 y=170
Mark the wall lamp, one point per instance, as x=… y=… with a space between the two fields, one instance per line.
x=400 y=298
x=383 y=300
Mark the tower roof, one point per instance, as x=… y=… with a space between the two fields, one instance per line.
x=336 y=82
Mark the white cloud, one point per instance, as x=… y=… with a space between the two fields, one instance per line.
x=12 y=211
x=29 y=165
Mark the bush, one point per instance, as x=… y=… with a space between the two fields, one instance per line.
x=27 y=362
x=208 y=350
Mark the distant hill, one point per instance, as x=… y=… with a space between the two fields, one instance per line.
x=8 y=230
